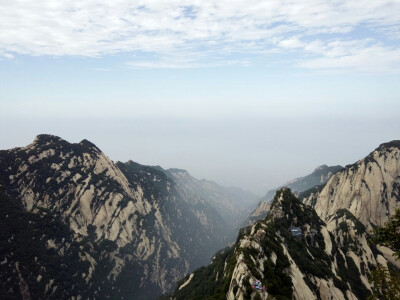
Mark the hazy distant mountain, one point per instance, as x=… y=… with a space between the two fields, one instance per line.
x=74 y=224
x=259 y=213
x=233 y=204
x=299 y=185
x=319 y=176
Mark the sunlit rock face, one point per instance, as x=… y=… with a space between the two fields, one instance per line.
x=156 y=235
x=369 y=189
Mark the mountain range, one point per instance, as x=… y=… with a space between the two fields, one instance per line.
x=93 y=227
x=76 y=225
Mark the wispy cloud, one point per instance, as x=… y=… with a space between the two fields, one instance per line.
x=182 y=33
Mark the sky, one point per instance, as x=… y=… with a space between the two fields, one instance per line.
x=246 y=93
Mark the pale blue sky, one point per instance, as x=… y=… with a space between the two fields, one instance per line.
x=247 y=93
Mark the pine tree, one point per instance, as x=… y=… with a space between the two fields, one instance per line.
x=386 y=283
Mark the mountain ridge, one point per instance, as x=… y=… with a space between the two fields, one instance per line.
x=326 y=260
x=158 y=235
x=369 y=188
x=321 y=174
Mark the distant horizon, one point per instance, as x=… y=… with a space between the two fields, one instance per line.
x=260 y=192
x=246 y=93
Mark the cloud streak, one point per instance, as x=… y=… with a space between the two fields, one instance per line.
x=181 y=33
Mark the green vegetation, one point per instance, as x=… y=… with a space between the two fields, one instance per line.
x=44 y=247
x=152 y=181
x=385 y=282
x=319 y=263
x=358 y=226
x=276 y=280
x=313 y=190
x=211 y=282
x=389 y=235
x=347 y=269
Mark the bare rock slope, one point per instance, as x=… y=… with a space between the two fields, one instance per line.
x=369 y=189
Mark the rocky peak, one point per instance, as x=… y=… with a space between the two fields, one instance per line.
x=46 y=138
x=320 y=168
x=389 y=145
x=178 y=172
x=369 y=188
x=87 y=144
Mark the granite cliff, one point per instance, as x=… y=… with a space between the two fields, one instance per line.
x=369 y=188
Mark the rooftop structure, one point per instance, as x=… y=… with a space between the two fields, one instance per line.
x=296 y=232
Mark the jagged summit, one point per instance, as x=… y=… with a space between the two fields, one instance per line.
x=45 y=138
x=48 y=141
x=382 y=150
x=391 y=144
x=287 y=207
x=369 y=188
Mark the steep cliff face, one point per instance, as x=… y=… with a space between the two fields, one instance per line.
x=158 y=235
x=369 y=189
x=293 y=254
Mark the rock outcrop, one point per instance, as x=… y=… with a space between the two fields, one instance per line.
x=369 y=189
